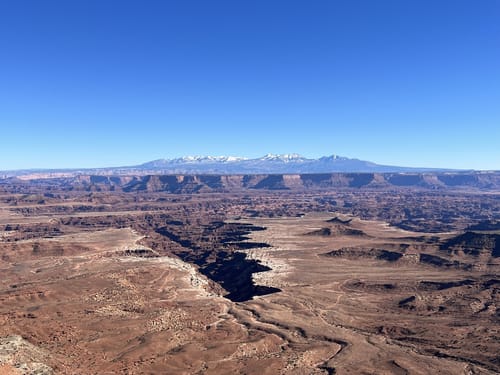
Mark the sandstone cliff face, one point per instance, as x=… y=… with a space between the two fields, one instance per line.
x=186 y=184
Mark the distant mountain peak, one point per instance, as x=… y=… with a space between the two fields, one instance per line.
x=208 y=159
x=283 y=157
x=235 y=165
x=334 y=157
x=192 y=159
x=269 y=163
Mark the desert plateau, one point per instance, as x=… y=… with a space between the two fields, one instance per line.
x=363 y=273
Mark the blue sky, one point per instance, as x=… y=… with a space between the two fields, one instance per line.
x=90 y=83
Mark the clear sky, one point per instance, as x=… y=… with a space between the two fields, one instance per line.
x=88 y=83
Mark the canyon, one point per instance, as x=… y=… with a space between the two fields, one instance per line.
x=346 y=273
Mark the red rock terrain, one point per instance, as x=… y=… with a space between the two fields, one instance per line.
x=262 y=280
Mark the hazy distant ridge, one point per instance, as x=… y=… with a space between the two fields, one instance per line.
x=230 y=165
x=270 y=163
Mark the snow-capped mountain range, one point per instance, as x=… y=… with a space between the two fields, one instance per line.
x=235 y=165
x=283 y=158
x=270 y=163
